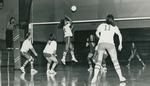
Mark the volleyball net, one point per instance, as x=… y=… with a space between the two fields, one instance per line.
x=40 y=30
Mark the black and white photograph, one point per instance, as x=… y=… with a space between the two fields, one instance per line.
x=74 y=43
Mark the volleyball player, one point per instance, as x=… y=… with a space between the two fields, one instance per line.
x=93 y=54
x=134 y=53
x=49 y=53
x=26 y=46
x=105 y=32
x=91 y=43
x=67 y=26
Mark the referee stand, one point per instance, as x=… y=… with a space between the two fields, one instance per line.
x=11 y=54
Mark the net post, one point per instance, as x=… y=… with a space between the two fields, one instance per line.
x=31 y=30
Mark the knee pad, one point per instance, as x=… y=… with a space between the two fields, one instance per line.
x=117 y=67
x=140 y=59
x=31 y=59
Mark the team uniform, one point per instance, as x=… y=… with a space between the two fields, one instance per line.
x=49 y=53
x=67 y=31
x=91 y=43
x=67 y=37
x=26 y=46
x=106 y=41
x=106 y=33
x=134 y=52
x=50 y=47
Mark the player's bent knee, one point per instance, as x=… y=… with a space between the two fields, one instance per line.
x=72 y=49
x=31 y=59
x=66 y=50
x=56 y=61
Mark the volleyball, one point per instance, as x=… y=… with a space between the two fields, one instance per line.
x=73 y=8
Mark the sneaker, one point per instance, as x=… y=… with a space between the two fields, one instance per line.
x=63 y=61
x=52 y=72
x=33 y=71
x=73 y=59
x=22 y=69
x=122 y=79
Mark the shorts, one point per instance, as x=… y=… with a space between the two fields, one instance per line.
x=26 y=55
x=106 y=46
x=67 y=39
x=47 y=55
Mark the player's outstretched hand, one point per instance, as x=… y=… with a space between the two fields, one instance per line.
x=36 y=54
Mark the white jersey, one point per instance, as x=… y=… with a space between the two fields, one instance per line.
x=107 y=33
x=26 y=46
x=67 y=30
x=50 y=47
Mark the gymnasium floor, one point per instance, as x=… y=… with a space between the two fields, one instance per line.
x=75 y=74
